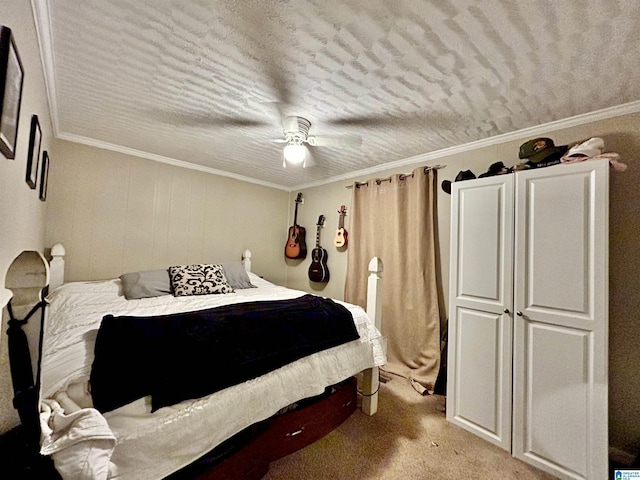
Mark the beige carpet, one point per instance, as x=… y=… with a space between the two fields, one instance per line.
x=407 y=439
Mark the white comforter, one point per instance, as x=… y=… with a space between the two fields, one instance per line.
x=155 y=445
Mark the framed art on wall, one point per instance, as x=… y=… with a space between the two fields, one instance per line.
x=11 y=80
x=35 y=139
x=44 y=176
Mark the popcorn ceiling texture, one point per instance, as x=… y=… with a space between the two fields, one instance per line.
x=199 y=81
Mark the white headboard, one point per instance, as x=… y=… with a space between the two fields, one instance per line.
x=246 y=260
x=56 y=265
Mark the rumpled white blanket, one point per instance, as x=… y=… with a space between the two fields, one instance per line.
x=80 y=442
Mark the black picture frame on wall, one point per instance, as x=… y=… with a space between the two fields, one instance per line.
x=11 y=81
x=44 y=176
x=33 y=157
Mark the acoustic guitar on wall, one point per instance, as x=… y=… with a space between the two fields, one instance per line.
x=318 y=270
x=340 y=240
x=296 y=246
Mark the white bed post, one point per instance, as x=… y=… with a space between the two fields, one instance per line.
x=246 y=260
x=371 y=379
x=56 y=267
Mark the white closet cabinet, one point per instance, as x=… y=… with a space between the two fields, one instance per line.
x=528 y=303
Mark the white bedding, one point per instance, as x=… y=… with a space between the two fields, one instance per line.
x=155 y=445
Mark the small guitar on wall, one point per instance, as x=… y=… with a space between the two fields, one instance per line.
x=296 y=246
x=340 y=240
x=318 y=270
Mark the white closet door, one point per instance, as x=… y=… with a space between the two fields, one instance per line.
x=560 y=329
x=480 y=334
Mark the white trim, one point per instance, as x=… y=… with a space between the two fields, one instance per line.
x=543 y=129
x=159 y=158
x=42 y=21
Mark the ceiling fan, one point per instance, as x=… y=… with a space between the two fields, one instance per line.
x=296 y=137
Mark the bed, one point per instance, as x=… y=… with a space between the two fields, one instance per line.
x=141 y=438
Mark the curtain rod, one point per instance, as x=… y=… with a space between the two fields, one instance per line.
x=402 y=176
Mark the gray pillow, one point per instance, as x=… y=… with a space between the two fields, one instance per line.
x=198 y=279
x=237 y=275
x=146 y=284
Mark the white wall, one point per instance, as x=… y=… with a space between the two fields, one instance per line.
x=22 y=214
x=621 y=135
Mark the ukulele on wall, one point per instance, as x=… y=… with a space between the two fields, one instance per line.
x=318 y=271
x=296 y=246
x=340 y=240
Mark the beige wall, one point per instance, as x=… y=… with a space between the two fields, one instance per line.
x=22 y=214
x=622 y=135
x=115 y=214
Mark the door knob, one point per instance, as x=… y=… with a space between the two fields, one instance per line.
x=506 y=310
x=519 y=313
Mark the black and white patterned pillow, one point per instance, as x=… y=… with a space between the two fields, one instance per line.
x=199 y=279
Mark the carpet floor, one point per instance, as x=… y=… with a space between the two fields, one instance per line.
x=407 y=439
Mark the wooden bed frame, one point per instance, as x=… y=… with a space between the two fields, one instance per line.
x=31 y=277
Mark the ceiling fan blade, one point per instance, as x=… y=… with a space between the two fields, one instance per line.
x=237 y=122
x=310 y=161
x=362 y=120
x=414 y=120
x=203 y=120
x=273 y=110
x=335 y=140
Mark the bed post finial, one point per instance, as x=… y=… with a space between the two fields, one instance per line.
x=371 y=378
x=374 y=302
x=246 y=260
x=56 y=266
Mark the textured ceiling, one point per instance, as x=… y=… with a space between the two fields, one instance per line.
x=205 y=82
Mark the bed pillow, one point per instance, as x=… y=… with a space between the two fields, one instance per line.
x=145 y=284
x=237 y=275
x=198 y=279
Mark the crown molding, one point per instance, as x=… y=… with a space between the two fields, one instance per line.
x=538 y=130
x=42 y=21
x=542 y=129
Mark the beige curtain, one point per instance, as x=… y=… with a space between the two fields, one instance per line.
x=395 y=220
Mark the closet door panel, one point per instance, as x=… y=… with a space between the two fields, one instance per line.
x=481 y=292
x=560 y=329
x=482 y=249
x=479 y=359
x=556 y=399
x=558 y=244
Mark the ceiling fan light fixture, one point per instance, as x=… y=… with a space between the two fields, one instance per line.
x=295 y=153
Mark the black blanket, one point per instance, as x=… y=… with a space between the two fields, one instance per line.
x=189 y=355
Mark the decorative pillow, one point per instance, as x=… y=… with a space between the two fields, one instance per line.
x=146 y=284
x=237 y=275
x=199 y=279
